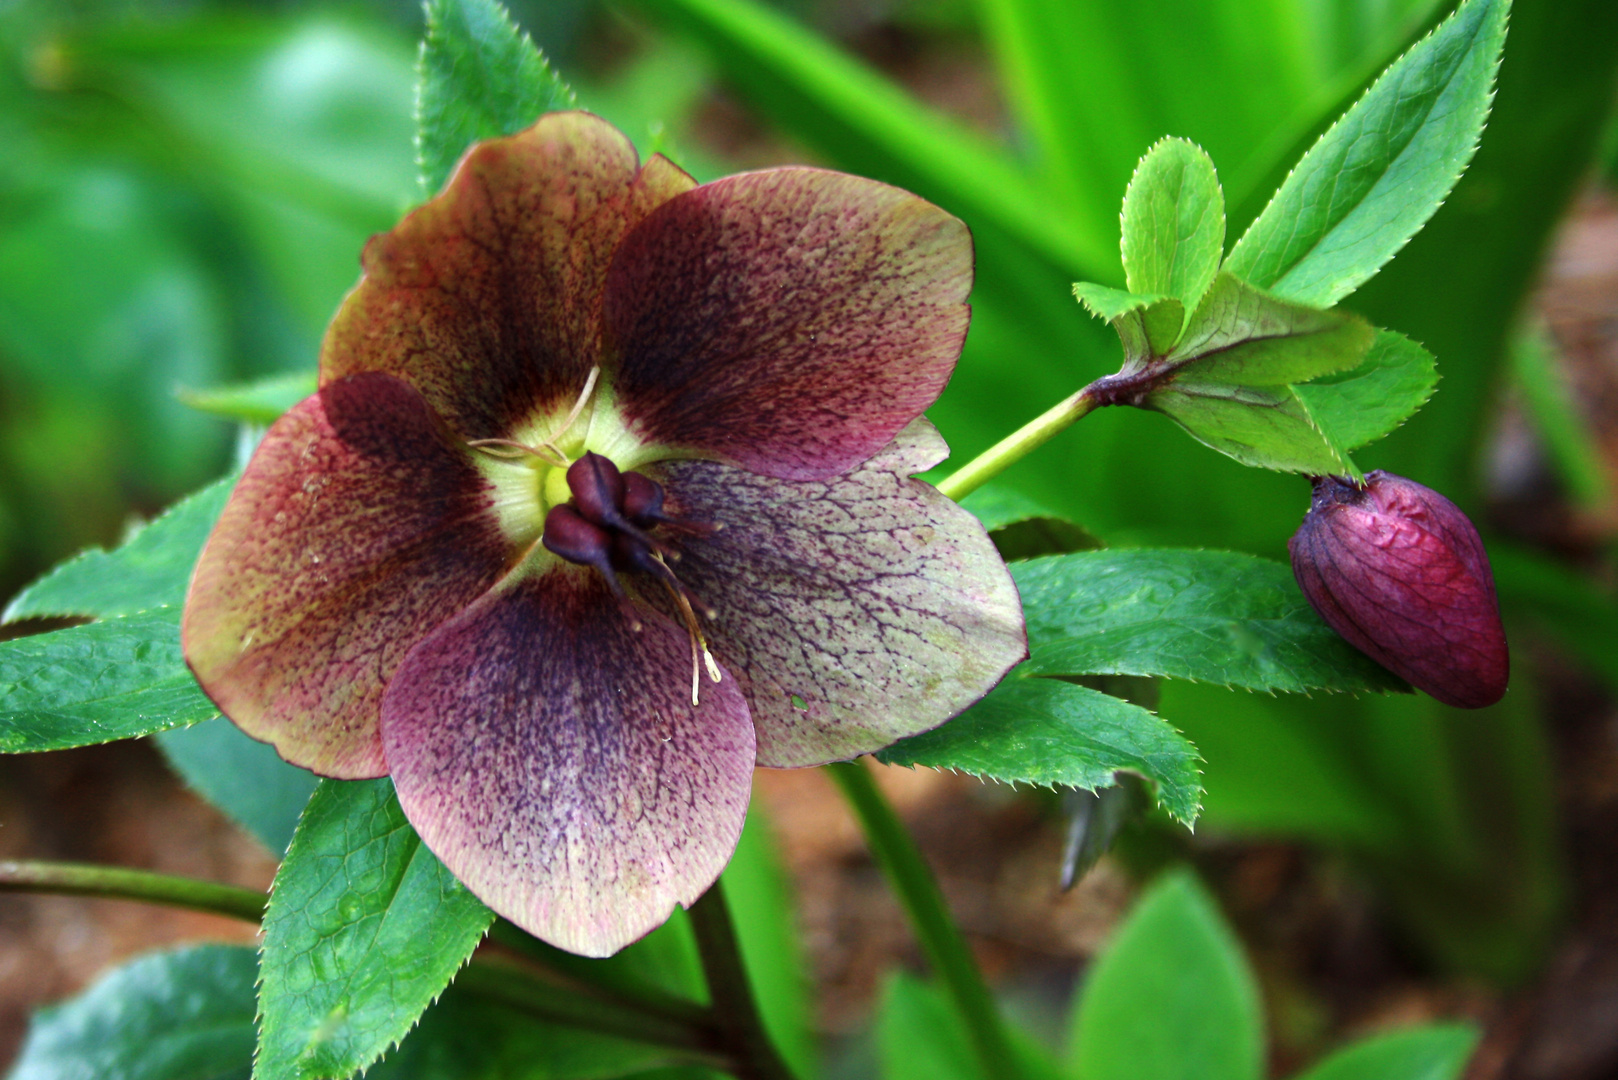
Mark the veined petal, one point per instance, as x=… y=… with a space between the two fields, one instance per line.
x=488 y=298
x=358 y=526
x=550 y=755
x=791 y=321
x=853 y=611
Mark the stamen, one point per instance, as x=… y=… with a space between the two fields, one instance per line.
x=573 y=414
x=700 y=656
x=510 y=450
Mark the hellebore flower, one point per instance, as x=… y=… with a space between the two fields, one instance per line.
x=1399 y=571
x=605 y=497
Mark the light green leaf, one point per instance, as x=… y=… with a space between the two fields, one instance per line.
x=1374 y=179
x=107 y=680
x=918 y=1036
x=1218 y=617
x=1147 y=325
x=479 y=78
x=150 y=569
x=1439 y=1052
x=1240 y=334
x=1363 y=404
x=1571 y=445
x=182 y=1015
x=1050 y=732
x=1173 y=223
x=1171 y=998
x=243 y=777
x=364 y=929
x=260 y=402
x=1264 y=426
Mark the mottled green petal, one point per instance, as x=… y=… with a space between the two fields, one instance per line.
x=358 y=526
x=549 y=753
x=488 y=298
x=853 y=611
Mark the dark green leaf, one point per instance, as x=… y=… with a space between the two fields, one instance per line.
x=107 y=680
x=480 y=77
x=1363 y=404
x=1050 y=732
x=182 y=1015
x=1267 y=427
x=467 y=1037
x=365 y=928
x=151 y=569
x=1171 y=998
x=260 y=402
x=1210 y=616
x=1374 y=179
x=1428 y=1053
x=1022 y=528
x=1173 y=223
x=918 y=1035
x=243 y=777
x=1242 y=335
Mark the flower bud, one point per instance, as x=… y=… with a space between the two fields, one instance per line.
x=1399 y=571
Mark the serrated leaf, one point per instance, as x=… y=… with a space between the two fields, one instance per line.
x=1147 y=325
x=243 y=777
x=1218 y=617
x=107 y=680
x=1240 y=334
x=1439 y=1052
x=182 y=1015
x=260 y=402
x=1023 y=528
x=150 y=569
x=1380 y=172
x=1363 y=404
x=1173 y=223
x=479 y=78
x=365 y=927
x=1267 y=427
x=1050 y=732
x=1171 y=998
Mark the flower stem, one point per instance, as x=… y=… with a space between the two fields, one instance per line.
x=730 y=992
x=918 y=891
x=120 y=883
x=1018 y=445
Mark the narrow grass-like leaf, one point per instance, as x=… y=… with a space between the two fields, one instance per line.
x=1568 y=440
x=1050 y=732
x=182 y=1015
x=1173 y=223
x=107 y=680
x=1439 y=1052
x=1363 y=404
x=260 y=402
x=479 y=77
x=150 y=569
x=1218 y=617
x=1380 y=172
x=365 y=928
x=1175 y=966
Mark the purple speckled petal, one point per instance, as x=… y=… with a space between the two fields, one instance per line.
x=488 y=297
x=550 y=755
x=358 y=527
x=852 y=611
x=791 y=321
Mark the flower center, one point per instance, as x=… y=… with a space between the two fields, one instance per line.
x=607 y=524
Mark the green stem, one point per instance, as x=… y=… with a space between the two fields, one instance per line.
x=119 y=883
x=918 y=891
x=1018 y=445
x=731 y=993
x=497 y=981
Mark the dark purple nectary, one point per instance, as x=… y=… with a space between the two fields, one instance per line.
x=1400 y=572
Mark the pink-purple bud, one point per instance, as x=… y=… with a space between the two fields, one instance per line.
x=1399 y=571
